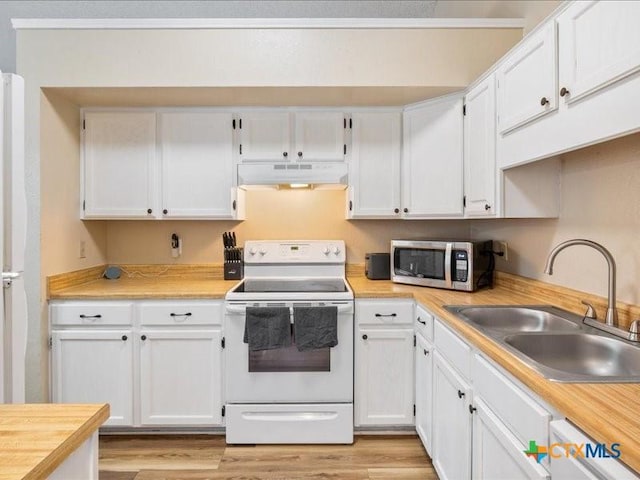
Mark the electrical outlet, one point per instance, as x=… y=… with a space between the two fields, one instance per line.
x=504 y=248
x=83 y=249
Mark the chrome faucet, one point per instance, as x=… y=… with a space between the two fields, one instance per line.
x=611 y=318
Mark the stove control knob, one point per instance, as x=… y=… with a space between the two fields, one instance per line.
x=252 y=251
x=326 y=250
x=336 y=250
x=263 y=252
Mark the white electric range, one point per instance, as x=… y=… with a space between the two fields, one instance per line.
x=283 y=395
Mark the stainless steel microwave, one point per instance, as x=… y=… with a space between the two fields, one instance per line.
x=451 y=264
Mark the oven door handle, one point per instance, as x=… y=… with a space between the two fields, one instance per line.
x=242 y=309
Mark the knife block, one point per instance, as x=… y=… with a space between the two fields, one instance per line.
x=233 y=270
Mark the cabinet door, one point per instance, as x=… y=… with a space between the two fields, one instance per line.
x=497 y=454
x=527 y=81
x=197 y=164
x=375 y=165
x=320 y=136
x=384 y=377
x=94 y=367
x=599 y=43
x=180 y=377
x=451 y=422
x=119 y=164
x=480 y=150
x=424 y=391
x=432 y=160
x=265 y=137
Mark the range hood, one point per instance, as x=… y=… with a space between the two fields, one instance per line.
x=326 y=174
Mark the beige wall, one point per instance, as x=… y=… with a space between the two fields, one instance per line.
x=285 y=214
x=532 y=11
x=600 y=202
x=262 y=57
x=61 y=229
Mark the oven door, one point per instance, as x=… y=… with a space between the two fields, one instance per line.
x=286 y=375
x=423 y=263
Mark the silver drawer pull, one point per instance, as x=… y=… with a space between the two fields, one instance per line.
x=386 y=315
x=188 y=314
x=90 y=316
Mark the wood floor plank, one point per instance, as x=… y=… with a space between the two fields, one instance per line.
x=107 y=475
x=160 y=452
x=205 y=457
x=335 y=474
x=426 y=473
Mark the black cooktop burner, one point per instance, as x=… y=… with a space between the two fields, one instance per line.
x=316 y=285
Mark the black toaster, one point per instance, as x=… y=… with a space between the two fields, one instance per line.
x=377 y=266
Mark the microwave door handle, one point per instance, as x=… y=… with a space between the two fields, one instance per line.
x=447 y=264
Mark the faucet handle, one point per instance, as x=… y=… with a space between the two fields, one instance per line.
x=634 y=331
x=591 y=312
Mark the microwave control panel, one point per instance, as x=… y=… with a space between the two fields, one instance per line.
x=461 y=270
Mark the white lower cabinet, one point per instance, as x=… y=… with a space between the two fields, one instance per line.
x=497 y=453
x=451 y=422
x=154 y=362
x=424 y=392
x=482 y=420
x=384 y=372
x=573 y=466
x=180 y=377
x=94 y=366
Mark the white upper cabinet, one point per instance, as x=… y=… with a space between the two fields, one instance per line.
x=265 y=136
x=599 y=44
x=596 y=77
x=320 y=136
x=175 y=164
x=374 y=175
x=197 y=164
x=527 y=81
x=480 y=150
x=432 y=159
x=119 y=164
x=283 y=136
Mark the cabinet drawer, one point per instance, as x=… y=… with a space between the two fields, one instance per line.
x=92 y=313
x=456 y=351
x=527 y=419
x=180 y=313
x=424 y=323
x=377 y=312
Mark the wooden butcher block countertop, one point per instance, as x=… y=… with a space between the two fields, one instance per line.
x=36 y=438
x=607 y=412
x=140 y=282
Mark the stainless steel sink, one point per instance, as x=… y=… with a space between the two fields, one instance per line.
x=556 y=343
x=517 y=319
x=579 y=356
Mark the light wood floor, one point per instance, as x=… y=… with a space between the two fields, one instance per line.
x=205 y=457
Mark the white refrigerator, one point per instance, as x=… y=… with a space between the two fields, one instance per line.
x=13 y=225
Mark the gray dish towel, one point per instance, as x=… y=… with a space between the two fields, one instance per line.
x=315 y=327
x=267 y=328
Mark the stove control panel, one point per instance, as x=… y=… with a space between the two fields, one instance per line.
x=294 y=251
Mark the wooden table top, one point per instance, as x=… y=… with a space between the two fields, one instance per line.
x=36 y=438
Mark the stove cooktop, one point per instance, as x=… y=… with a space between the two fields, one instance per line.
x=282 y=285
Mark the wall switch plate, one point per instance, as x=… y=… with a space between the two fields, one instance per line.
x=83 y=249
x=504 y=248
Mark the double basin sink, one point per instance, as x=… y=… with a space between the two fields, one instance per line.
x=556 y=343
